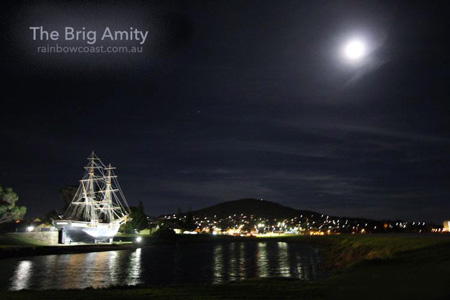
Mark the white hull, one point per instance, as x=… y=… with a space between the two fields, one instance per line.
x=95 y=231
x=98 y=207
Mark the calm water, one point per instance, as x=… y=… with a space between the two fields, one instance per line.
x=201 y=263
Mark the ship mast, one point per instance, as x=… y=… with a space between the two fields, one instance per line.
x=90 y=180
x=90 y=190
x=108 y=205
x=99 y=198
x=99 y=206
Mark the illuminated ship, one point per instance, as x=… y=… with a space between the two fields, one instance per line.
x=98 y=207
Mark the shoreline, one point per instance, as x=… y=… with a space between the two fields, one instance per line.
x=330 y=245
x=126 y=243
x=27 y=251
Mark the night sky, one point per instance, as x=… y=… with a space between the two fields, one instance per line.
x=235 y=99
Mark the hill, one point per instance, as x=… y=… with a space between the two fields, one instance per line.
x=259 y=208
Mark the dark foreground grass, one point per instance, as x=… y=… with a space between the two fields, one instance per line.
x=418 y=271
x=368 y=267
x=16 y=240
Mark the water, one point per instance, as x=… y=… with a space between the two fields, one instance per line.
x=190 y=263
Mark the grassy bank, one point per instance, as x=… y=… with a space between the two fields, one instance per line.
x=366 y=267
x=388 y=267
x=15 y=240
x=340 y=252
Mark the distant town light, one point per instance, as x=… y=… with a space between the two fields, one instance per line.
x=138 y=239
x=30 y=228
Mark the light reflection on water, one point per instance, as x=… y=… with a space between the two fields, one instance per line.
x=134 y=269
x=113 y=267
x=218 y=264
x=283 y=260
x=200 y=263
x=261 y=258
x=22 y=275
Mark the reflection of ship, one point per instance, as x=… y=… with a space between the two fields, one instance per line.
x=98 y=207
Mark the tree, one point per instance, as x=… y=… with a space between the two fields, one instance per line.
x=189 y=222
x=138 y=219
x=50 y=216
x=67 y=193
x=8 y=209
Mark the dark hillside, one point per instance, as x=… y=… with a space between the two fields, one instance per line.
x=258 y=208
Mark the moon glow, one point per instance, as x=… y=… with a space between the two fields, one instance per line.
x=355 y=50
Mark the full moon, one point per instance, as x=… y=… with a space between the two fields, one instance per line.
x=355 y=50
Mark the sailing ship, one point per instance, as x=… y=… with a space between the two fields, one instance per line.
x=98 y=208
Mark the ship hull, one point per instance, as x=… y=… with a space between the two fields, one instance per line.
x=78 y=231
x=98 y=207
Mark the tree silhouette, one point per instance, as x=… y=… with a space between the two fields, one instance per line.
x=8 y=209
